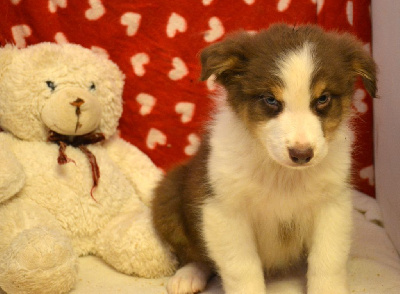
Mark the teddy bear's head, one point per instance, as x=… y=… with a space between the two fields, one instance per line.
x=64 y=88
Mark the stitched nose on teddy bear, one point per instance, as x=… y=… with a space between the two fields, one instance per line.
x=78 y=103
x=74 y=112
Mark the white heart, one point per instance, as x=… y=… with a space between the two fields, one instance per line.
x=249 y=2
x=53 y=4
x=216 y=30
x=320 y=4
x=132 y=21
x=100 y=51
x=211 y=85
x=179 y=69
x=138 y=61
x=194 y=143
x=186 y=110
x=207 y=2
x=155 y=137
x=146 y=102
x=95 y=11
x=283 y=5
x=176 y=23
x=367 y=47
x=60 y=38
x=15 y=2
x=20 y=32
x=368 y=173
x=358 y=101
x=349 y=12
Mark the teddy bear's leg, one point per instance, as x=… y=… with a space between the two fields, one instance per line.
x=36 y=255
x=129 y=243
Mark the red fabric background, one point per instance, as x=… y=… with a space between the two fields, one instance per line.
x=159 y=129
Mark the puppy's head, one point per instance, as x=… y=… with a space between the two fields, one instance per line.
x=291 y=87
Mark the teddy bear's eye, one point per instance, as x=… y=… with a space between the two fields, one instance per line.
x=92 y=87
x=51 y=85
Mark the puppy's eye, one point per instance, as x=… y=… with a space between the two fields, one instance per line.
x=51 y=85
x=270 y=101
x=92 y=87
x=323 y=101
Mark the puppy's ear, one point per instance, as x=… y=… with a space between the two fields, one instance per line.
x=365 y=67
x=224 y=59
x=362 y=64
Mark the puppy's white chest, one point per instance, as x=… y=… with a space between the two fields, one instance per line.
x=282 y=236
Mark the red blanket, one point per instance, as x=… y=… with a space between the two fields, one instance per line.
x=156 y=44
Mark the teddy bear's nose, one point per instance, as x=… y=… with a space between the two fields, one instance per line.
x=78 y=102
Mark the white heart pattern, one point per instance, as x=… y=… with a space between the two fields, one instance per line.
x=60 y=38
x=320 y=4
x=15 y=2
x=132 y=21
x=186 y=110
x=358 y=101
x=179 y=69
x=138 y=61
x=216 y=30
x=367 y=47
x=95 y=11
x=283 y=5
x=100 y=51
x=211 y=85
x=368 y=173
x=53 y=4
x=176 y=23
x=155 y=137
x=349 y=12
x=194 y=143
x=146 y=102
x=207 y=2
x=249 y=2
x=19 y=33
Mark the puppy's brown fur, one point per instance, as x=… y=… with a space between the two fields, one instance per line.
x=175 y=213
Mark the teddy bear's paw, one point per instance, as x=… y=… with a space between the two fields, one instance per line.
x=12 y=176
x=130 y=245
x=38 y=261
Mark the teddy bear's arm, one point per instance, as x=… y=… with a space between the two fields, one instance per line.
x=12 y=175
x=136 y=165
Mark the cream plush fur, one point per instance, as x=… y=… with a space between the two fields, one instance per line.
x=48 y=217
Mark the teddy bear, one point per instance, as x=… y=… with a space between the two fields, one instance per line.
x=69 y=185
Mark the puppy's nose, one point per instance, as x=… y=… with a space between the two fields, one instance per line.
x=301 y=155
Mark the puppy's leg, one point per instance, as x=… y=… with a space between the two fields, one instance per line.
x=327 y=261
x=192 y=278
x=230 y=243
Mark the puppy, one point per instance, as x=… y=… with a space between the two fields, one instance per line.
x=269 y=186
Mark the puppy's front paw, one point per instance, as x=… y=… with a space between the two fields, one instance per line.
x=192 y=278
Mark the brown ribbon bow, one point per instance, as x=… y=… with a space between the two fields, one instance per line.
x=80 y=142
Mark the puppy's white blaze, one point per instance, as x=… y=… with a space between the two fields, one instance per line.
x=297 y=125
x=296 y=70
